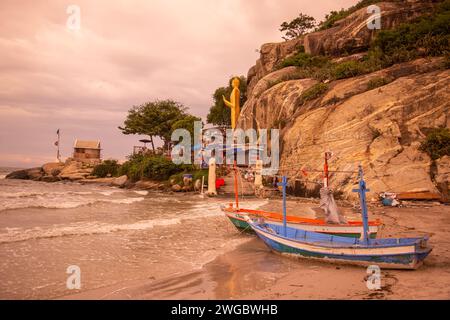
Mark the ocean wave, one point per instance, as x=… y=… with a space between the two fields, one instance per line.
x=89 y=228
x=66 y=204
x=142 y=192
x=24 y=194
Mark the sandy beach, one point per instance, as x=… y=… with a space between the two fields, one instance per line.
x=252 y=271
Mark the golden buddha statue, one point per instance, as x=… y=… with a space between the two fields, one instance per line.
x=234 y=102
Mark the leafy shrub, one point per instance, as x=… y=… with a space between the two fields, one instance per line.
x=196 y=174
x=347 y=69
x=447 y=61
x=377 y=82
x=427 y=35
x=334 y=16
x=437 y=143
x=304 y=60
x=154 y=167
x=314 y=92
x=107 y=167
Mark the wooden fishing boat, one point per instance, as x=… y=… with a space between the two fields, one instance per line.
x=399 y=253
x=351 y=229
x=238 y=216
x=393 y=253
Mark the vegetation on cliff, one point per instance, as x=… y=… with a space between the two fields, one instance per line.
x=334 y=16
x=437 y=143
x=427 y=35
x=219 y=114
x=298 y=26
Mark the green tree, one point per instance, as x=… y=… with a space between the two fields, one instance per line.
x=154 y=119
x=297 y=27
x=219 y=114
x=187 y=123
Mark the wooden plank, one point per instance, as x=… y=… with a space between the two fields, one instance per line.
x=418 y=196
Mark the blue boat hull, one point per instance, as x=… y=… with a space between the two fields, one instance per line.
x=404 y=257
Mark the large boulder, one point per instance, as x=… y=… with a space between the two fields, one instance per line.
x=120 y=181
x=74 y=170
x=53 y=168
x=382 y=127
x=26 y=174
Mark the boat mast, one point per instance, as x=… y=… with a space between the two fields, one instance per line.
x=236 y=191
x=325 y=169
x=362 y=198
x=283 y=184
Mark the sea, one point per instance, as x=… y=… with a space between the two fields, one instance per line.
x=109 y=235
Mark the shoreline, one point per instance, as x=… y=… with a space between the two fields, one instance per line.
x=251 y=271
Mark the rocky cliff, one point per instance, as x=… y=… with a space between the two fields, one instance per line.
x=379 y=126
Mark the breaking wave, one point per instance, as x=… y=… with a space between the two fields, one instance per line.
x=55 y=203
x=89 y=228
x=199 y=211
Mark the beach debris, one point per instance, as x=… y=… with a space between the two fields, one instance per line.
x=418 y=195
x=212 y=177
x=389 y=199
x=328 y=204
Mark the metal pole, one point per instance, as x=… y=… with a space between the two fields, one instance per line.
x=283 y=184
x=362 y=198
x=58 y=155
x=236 y=191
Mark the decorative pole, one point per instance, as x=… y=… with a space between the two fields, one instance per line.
x=362 y=198
x=236 y=191
x=58 y=155
x=283 y=184
x=325 y=170
x=326 y=181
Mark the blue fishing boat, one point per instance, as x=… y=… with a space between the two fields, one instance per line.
x=391 y=253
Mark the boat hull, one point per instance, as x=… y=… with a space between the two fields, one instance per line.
x=402 y=257
x=239 y=221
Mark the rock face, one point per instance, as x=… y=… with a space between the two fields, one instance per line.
x=54 y=171
x=347 y=36
x=26 y=174
x=351 y=34
x=380 y=127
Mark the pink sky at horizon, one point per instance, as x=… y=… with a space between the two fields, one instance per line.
x=125 y=53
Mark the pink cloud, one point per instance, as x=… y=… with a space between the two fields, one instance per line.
x=126 y=52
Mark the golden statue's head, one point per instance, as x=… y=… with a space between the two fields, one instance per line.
x=235 y=82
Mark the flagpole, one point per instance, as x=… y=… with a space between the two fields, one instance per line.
x=58 y=155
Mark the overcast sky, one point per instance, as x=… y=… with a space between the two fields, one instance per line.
x=125 y=53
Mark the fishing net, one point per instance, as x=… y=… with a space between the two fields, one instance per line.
x=328 y=204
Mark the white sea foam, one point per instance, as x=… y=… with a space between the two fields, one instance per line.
x=67 y=203
x=142 y=192
x=78 y=229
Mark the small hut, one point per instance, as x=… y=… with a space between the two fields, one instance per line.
x=87 y=151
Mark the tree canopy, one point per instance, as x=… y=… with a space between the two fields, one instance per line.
x=156 y=119
x=186 y=123
x=219 y=114
x=297 y=27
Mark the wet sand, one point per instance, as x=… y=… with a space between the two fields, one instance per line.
x=252 y=271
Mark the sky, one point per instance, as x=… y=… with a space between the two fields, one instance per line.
x=83 y=78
